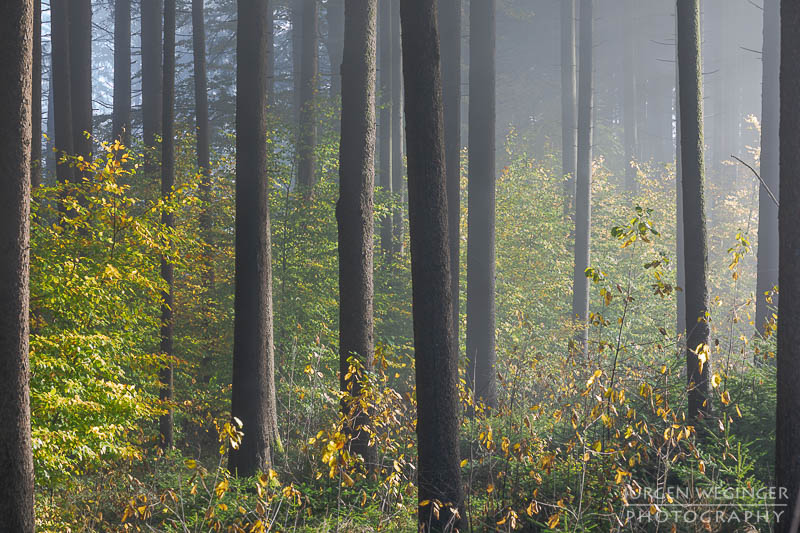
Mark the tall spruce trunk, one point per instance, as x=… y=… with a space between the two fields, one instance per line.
x=787 y=433
x=435 y=347
x=481 y=205
x=253 y=395
x=121 y=115
x=569 y=103
x=450 y=35
x=385 y=118
x=151 y=74
x=80 y=61
x=16 y=459
x=583 y=182
x=309 y=78
x=354 y=214
x=694 y=220
x=36 y=97
x=398 y=183
x=270 y=72
x=767 y=269
x=62 y=89
x=168 y=220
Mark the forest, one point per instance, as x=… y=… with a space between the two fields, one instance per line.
x=399 y=265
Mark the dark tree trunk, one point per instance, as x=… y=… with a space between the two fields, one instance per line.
x=694 y=222
x=151 y=73
x=36 y=97
x=481 y=204
x=680 y=274
x=253 y=396
x=335 y=15
x=435 y=347
x=270 y=52
x=450 y=35
x=80 y=61
x=354 y=211
x=629 y=101
x=385 y=119
x=296 y=17
x=168 y=217
x=121 y=116
x=16 y=460
x=309 y=77
x=398 y=184
x=583 y=182
x=770 y=162
x=787 y=433
x=569 y=102
x=62 y=87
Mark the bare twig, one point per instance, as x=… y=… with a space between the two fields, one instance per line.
x=774 y=199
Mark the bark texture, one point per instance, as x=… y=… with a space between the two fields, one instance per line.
x=309 y=78
x=787 y=433
x=450 y=36
x=481 y=204
x=767 y=270
x=694 y=221
x=16 y=460
x=354 y=211
x=121 y=116
x=583 y=182
x=439 y=476
x=253 y=396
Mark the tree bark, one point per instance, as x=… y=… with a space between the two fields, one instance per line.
x=398 y=183
x=36 y=97
x=62 y=88
x=121 y=115
x=481 y=204
x=450 y=35
x=151 y=73
x=80 y=50
x=435 y=348
x=787 y=433
x=385 y=120
x=569 y=102
x=583 y=182
x=253 y=396
x=270 y=52
x=168 y=219
x=354 y=212
x=693 y=180
x=309 y=77
x=767 y=270
x=16 y=460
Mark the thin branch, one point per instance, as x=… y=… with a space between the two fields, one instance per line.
x=759 y=179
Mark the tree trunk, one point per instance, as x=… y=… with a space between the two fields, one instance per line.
x=569 y=102
x=296 y=17
x=36 y=97
x=309 y=74
x=770 y=166
x=450 y=35
x=270 y=53
x=680 y=274
x=335 y=15
x=16 y=460
x=694 y=222
x=481 y=204
x=629 y=101
x=435 y=347
x=385 y=120
x=50 y=157
x=151 y=73
x=398 y=184
x=80 y=61
x=253 y=396
x=167 y=217
x=62 y=88
x=121 y=116
x=583 y=185
x=787 y=433
x=354 y=212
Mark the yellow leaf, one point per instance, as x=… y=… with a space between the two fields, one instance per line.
x=726 y=398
